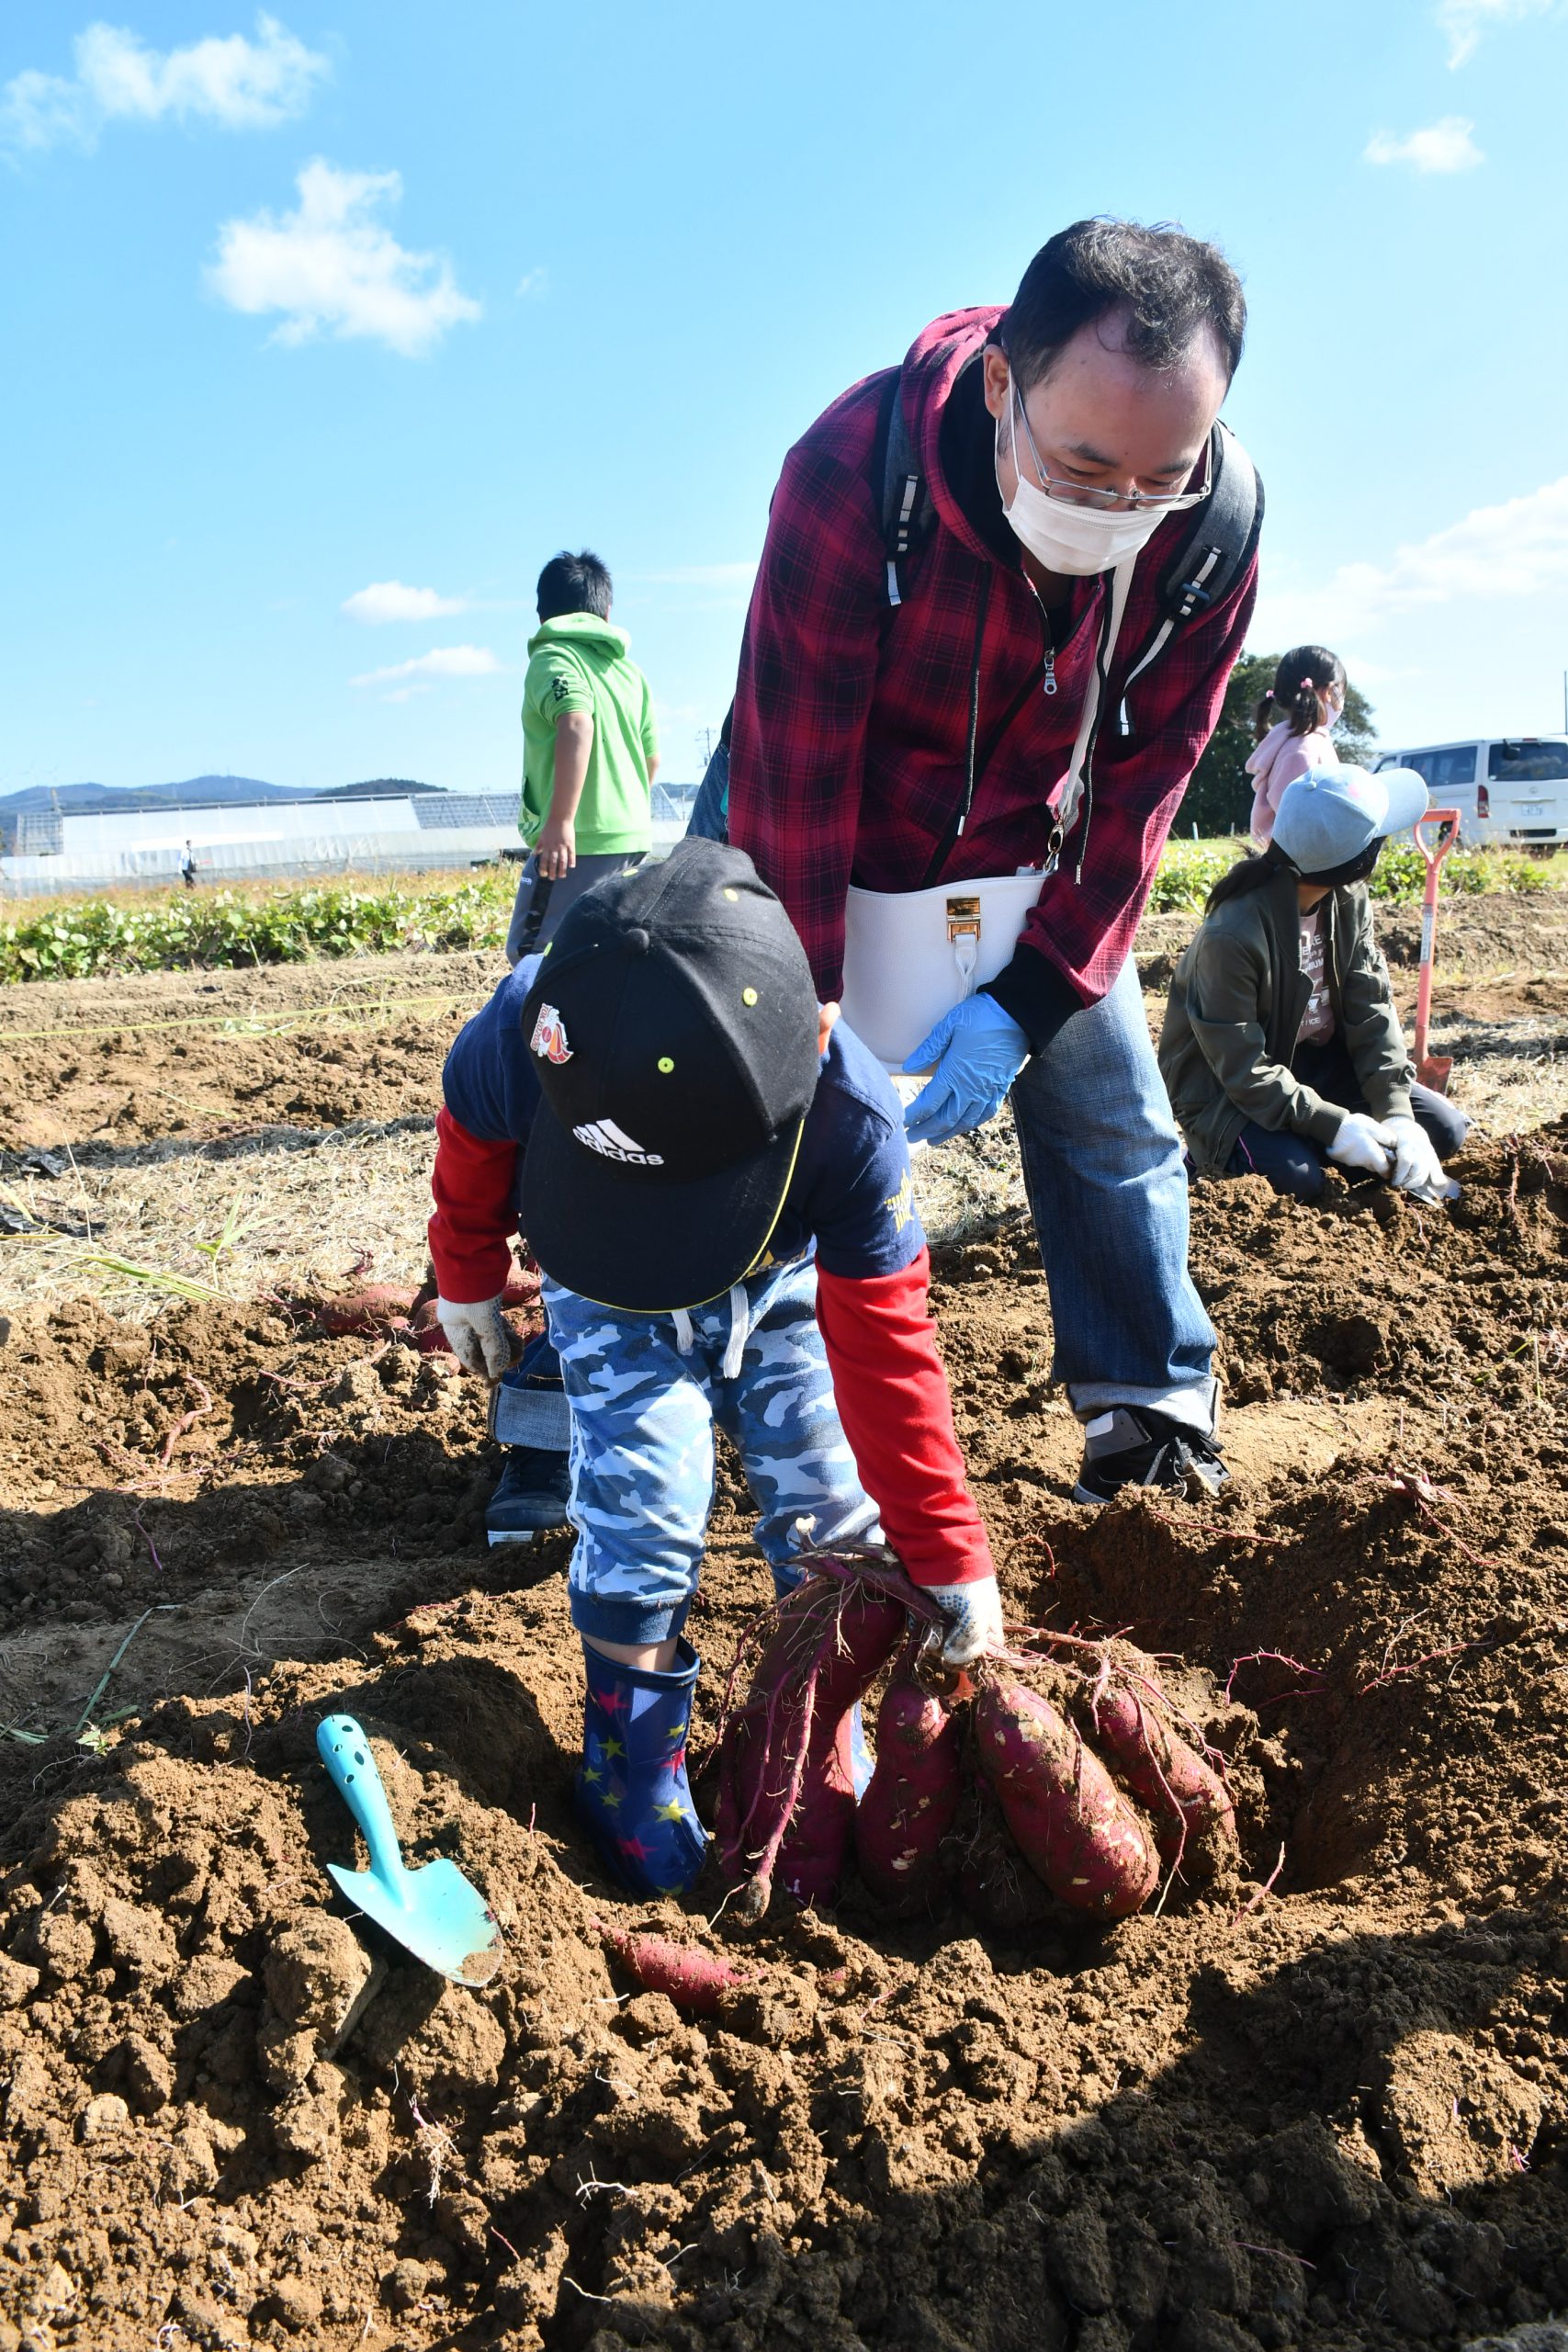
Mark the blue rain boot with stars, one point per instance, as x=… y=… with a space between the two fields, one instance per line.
x=632 y=1795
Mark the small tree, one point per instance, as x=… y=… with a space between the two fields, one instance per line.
x=1219 y=798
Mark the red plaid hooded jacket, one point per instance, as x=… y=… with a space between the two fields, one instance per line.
x=850 y=735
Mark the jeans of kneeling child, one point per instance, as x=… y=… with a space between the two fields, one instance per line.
x=645 y=1391
x=1294 y=1163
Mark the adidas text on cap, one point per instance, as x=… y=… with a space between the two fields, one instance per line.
x=672 y=1029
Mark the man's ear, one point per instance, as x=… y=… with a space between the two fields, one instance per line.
x=826 y=1016
x=997 y=376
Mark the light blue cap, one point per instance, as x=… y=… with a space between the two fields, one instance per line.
x=1330 y=815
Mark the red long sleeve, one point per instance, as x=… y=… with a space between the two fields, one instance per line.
x=473 y=1183
x=897 y=1415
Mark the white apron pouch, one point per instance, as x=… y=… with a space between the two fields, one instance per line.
x=911 y=956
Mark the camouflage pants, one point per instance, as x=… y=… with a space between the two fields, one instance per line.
x=645 y=1391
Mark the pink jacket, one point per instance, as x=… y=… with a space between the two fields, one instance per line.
x=1278 y=761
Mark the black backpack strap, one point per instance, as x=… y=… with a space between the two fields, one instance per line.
x=1216 y=548
x=897 y=487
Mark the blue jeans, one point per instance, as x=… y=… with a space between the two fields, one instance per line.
x=645 y=1391
x=1294 y=1163
x=709 y=820
x=1107 y=1185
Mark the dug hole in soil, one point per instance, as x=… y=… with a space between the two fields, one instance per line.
x=1325 y=2110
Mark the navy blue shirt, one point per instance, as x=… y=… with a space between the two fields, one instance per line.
x=850 y=1194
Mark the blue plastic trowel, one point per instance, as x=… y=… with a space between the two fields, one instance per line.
x=435 y=1911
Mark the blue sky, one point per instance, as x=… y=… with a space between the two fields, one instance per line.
x=306 y=304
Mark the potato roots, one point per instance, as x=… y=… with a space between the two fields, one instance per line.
x=786 y=1805
x=997 y=1884
x=383 y=1309
x=1079 y=1796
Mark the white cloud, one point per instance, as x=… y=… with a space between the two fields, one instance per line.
x=1445 y=146
x=532 y=282
x=441 y=662
x=332 y=265
x=1462 y=22
x=1516 y=550
x=238 y=83
x=390 y=600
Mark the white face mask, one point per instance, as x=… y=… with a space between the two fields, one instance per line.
x=1078 y=540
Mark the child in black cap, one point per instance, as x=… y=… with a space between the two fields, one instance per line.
x=716 y=1186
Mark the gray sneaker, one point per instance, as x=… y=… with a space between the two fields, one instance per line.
x=1133 y=1446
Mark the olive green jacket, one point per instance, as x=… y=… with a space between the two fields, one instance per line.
x=1235 y=1010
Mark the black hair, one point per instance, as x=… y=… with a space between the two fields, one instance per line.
x=574 y=583
x=1166 y=286
x=1306 y=671
x=1248 y=874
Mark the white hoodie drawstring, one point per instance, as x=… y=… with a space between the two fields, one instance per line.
x=740 y=1332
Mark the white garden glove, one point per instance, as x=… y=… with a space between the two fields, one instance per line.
x=1362 y=1144
x=481 y=1339
x=1416 y=1168
x=974 y=1613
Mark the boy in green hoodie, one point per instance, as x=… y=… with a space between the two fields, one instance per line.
x=589 y=752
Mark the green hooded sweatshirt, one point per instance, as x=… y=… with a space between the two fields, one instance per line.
x=578 y=663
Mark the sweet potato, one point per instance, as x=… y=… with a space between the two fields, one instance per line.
x=380 y=1306
x=695 y=1980
x=786 y=1803
x=1191 y=1804
x=1072 y=1824
x=427 y=1330
x=912 y=1799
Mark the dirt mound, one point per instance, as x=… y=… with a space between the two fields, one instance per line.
x=1329 y=2111
x=1204 y=2129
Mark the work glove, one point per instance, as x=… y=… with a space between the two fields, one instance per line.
x=974 y=1613
x=1416 y=1168
x=1362 y=1144
x=480 y=1336
x=978 y=1050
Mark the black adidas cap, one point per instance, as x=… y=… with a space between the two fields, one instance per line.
x=674 y=1031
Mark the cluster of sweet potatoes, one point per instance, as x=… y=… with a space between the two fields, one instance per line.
x=1069 y=1756
x=398 y=1311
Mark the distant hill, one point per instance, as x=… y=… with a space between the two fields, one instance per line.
x=198 y=792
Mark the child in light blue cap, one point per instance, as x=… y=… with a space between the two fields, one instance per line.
x=1282 y=1049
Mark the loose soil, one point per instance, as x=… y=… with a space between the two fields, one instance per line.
x=220 y=1055
x=1329 y=2109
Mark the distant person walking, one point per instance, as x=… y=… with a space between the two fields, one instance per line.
x=1293 y=729
x=590 y=752
x=187 y=867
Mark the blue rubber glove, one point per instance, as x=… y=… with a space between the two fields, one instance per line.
x=978 y=1050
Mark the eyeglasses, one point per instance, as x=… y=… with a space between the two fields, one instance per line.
x=1132 y=502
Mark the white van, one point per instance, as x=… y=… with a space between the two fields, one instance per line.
x=1511 y=790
